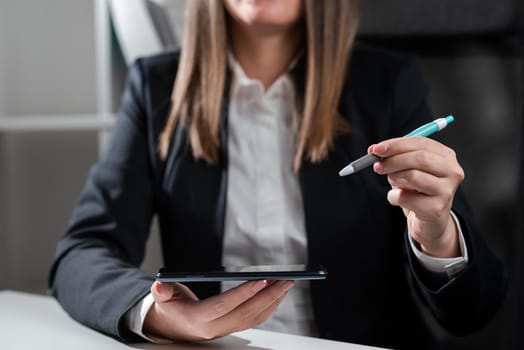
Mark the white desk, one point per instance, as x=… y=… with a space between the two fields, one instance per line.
x=29 y=321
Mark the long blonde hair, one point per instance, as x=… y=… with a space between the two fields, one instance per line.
x=330 y=30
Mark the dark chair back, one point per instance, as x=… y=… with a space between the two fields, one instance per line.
x=471 y=53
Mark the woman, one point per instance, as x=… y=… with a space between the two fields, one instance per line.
x=235 y=144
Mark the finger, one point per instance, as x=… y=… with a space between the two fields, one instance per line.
x=163 y=292
x=428 y=162
x=260 y=318
x=419 y=181
x=245 y=315
x=399 y=145
x=181 y=291
x=220 y=305
x=264 y=315
x=425 y=207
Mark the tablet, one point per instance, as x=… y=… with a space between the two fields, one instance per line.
x=245 y=273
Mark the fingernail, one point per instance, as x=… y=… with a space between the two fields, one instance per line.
x=287 y=285
x=394 y=195
x=380 y=148
x=378 y=167
x=165 y=287
x=259 y=285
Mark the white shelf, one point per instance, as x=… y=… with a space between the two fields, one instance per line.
x=74 y=122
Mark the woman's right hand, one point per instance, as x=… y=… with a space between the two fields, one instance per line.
x=178 y=314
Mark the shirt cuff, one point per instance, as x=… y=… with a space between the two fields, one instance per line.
x=450 y=266
x=136 y=316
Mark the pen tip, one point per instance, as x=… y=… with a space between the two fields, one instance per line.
x=347 y=171
x=450 y=119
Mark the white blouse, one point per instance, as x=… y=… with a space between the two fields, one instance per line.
x=264 y=213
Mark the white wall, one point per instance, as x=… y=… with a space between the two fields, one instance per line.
x=49 y=68
x=50 y=55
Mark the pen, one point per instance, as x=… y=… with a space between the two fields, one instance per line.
x=370 y=158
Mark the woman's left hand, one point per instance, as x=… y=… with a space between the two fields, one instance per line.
x=424 y=176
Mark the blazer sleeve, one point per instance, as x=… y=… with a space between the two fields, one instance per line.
x=467 y=301
x=95 y=274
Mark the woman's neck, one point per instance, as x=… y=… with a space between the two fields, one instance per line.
x=266 y=56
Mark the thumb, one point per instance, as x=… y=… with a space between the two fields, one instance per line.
x=162 y=292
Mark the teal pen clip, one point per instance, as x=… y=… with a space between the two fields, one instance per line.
x=370 y=158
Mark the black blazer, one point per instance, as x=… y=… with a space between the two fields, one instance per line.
x=351 y=229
